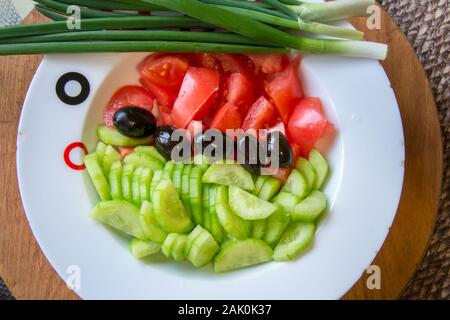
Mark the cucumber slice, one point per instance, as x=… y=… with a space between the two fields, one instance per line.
x=151 y=228
x=286 y=200
x=140 y=249
x=178 y=247
x=111 y=155
x=185 y=189
x=168 y=208
x=275 y=226
x=195 y=233
x=144 y=184
x=166 y=247
x=269 y=189
x=296 y=239
x=297 y=184
x=310 y=208
x=241 y=254
x=201 y=161
x=168 y=170
x=121 y=215
x=151 y=151
x=229 y=174
x=177 y=175
x=259 y=228
x=100 y=150
x=195 y=194
x=248 y=206
x=127 y=179
x=259 y=184
x=135 y=186
x=143 y=160
x=112 y=136
x=97 y=176
x=321 y=166
x=157 y=176
x=115 y=180
x=203 y=249
x=205 y=206
x=216 y=228
x=306 y=168
x=234 y=225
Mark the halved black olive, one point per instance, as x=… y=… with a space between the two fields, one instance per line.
x=249 y=152
x=277 y=140
x=165 y=142
x=134 y=122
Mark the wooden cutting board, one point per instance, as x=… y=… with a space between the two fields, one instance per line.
x=29 y=275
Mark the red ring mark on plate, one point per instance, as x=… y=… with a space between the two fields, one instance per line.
x=67 y=152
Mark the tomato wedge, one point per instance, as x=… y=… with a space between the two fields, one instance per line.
x=166 y=71
x=261 y=114
x=308 y=124
x=285 y=90
x=269 y=63
x=127 y=96
x=164 y=96
x=227 y=117
x=239 y=92
x=196 y=96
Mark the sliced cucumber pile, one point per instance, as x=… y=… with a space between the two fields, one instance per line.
x=205 y=212
x=140 y=249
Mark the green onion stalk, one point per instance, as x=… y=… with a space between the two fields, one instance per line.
x=267 y=34
x=331 y=11
x=61 y=8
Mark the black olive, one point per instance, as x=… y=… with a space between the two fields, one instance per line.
x=285 y=154
x=134 y=122
x=165 y=144
x=215 y=143
x=249 y=152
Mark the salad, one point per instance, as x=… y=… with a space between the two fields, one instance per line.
x=212 y=159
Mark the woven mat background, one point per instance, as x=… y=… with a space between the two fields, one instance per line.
x=426 y=24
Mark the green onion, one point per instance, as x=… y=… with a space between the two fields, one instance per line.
x=190 y=36
x=298 y=24
x=101 y=24
x=267 y=34
x=109 y=5
x=255 y=6
x=84 y=12
x=280 y=6
x=332 y=11
x=131 y=46
x=50 y=13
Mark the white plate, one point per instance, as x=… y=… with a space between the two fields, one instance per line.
x=366 y=158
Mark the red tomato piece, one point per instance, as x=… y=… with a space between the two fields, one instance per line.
x=308 y=124
x=164 y=96
x=196 y=96
x=167 y=71
x=261 y=114
x=195 y=127
x=127 y=96
x=239 y=92
x=269 y=63
x=227 y=117
x=285 y=90
x=234 y=63
x=125 y=150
